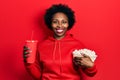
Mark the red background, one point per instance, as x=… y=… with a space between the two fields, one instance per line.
x=97 y=26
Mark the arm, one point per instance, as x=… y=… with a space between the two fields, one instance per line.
x=86 y=64
x=34 y=69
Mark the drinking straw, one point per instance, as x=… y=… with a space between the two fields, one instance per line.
x=32 y=34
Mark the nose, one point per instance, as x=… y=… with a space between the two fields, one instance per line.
x=59 y=25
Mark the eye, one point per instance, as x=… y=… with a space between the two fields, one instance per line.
x=54 y=21
x=64 y=22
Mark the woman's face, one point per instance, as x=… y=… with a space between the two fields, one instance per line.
x=59 y=25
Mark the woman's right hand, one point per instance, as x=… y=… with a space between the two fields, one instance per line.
x=26 y=52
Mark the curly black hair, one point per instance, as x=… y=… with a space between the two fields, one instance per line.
x=59 y=8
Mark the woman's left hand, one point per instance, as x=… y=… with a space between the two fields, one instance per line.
x=84 y=61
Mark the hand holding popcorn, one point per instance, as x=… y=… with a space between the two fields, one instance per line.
x=84 y=57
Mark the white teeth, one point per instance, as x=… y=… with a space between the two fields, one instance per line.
x=59 y=30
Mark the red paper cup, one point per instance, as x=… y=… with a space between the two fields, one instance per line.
x=32 y=45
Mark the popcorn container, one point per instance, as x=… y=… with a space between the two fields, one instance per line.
x=32 y=45
x=76 y=53
x=88 y=52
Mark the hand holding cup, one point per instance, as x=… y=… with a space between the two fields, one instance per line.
x=29 y=51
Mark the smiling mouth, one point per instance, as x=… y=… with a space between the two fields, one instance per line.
x=59 y=30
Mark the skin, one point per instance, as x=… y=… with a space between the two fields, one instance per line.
x=84 y=61
x=59 y=27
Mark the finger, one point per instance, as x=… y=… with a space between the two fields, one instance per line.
x=77 y=62
x=25 y=52
x=25 y=56
x=81 y=63
x=77 y=58
x=25 y=48
x=84 y=55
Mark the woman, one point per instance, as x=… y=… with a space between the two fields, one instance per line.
x=54 y=60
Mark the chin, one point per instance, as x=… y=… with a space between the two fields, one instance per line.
x=60 y=35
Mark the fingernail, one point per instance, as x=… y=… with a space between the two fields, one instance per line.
x=30 y=51
x=25 y=52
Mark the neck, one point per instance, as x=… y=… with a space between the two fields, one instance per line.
x=58 y=37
